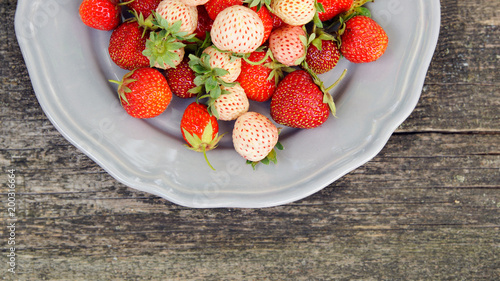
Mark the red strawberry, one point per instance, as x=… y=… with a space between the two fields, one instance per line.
x=214 y=7
x=277 y=21
x=298 y=102
x=144 y=93
x=322 y=54
x=204 y=23
x=363 y=40
x=254 y=137
x=100 y=14
x=200 y=129
x=333 y=8
x=255 y=79
x=126 y=46
x=181 y=79
x=146 y=7
x=267 y=20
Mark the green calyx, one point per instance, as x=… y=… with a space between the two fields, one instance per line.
x=327 y=97
x=163 y=43
x=258 y=3
x=123 y=88
x=277 y=68
x=319 y=9
x=317 y=36
x=208 y=80
x=270 y=158
x=203 y=144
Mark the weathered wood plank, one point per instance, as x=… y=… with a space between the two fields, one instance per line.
x=426 y=208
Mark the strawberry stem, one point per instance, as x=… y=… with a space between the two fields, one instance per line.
x=204 y=149
x=336 y=82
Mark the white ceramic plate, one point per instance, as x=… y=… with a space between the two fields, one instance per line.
x=69 y=68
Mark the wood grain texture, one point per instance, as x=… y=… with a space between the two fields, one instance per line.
x=427 y=207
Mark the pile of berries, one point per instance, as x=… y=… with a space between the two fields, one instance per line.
x=225 y=54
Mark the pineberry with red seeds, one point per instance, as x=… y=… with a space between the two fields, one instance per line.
x=237 y=29
x=288 y=44
x=255 y=137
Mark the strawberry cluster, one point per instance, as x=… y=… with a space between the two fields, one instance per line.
x=226 y=54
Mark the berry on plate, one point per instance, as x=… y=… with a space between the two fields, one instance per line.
x=288 y=44
x=231 y=104
x=144 y=92
x=257 y=79
x=322 y=52
x=199 y=129
x=144 y=7
x=255 y=137
x=363 y=40
x=294 y=12
x=214 y=7
x=181 y=79
x=126 y=44
x=173 y=11
x=299 y=102
x=100 y=14
x=237 y=29
x=333 y=8
x=224 y=60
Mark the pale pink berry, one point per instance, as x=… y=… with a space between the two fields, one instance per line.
x=174 y=10
x=287 y=45
x=230 y=106
x=194 y=2
x=224 y=60
x=254 y=136
x=237 y=29
x=294 y=12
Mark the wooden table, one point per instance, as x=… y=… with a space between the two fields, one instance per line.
x=427 y=207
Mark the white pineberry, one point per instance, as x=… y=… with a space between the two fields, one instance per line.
x=287 y=44
x=294 y=12
x=237 y=29
x=225 y=61
x=230 y=106
x=175 y=10
x=194 y=2
x=254 y=136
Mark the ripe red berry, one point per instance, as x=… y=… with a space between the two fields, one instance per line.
x=324 y=59
x=126 y=45
x=100 y=14
x=363 y=40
